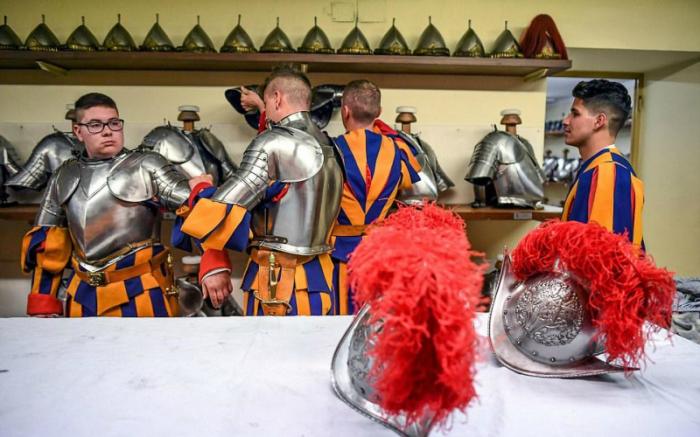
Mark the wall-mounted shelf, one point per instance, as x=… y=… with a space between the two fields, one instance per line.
x=63 y=64
x=28 y=212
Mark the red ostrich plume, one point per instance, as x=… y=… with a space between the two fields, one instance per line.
x=625 y=288
x=415 y=270
x=541 y=31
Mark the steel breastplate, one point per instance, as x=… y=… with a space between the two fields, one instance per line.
x=100 y=224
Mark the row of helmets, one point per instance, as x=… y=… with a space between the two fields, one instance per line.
x=430 y=43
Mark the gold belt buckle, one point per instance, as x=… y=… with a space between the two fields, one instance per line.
x=97 y=279
x=272 y=284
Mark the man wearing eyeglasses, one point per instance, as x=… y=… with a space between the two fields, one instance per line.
x=101 y=214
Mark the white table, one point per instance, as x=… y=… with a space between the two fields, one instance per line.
x=270 y=376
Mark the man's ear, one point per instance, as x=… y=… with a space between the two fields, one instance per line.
x=76 y=131
x=601 y=121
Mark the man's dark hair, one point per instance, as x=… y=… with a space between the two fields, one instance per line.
x=364 y=100
x=91 y=100
x=612 y=98
x=293 y=83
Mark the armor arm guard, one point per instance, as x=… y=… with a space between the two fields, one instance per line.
x=171 y=185
x=46 y=157
x=483 y=164
x=50 y=209
x=279 y=154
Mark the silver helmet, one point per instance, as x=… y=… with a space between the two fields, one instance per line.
x=553 y=315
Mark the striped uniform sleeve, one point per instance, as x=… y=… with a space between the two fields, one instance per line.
x=45 y=253
x=612 y=196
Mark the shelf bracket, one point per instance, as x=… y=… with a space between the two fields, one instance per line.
x=51 y=68
x=535 y=75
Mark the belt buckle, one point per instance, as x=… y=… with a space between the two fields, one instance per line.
x=97 y=279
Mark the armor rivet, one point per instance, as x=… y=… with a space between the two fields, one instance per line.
x=505 y=312
x=518 y=342
x=534 y=353
x=553 y=359
x=572 y=359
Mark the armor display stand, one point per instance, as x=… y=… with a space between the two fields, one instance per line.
x=188 y=115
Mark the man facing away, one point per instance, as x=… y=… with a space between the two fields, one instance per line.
x=286 y=194
x=375 y=170
x=606 y=189
x=101 y=214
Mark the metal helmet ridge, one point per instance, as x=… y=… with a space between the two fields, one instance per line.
x=355 y=43
x=506 y=46
x=82 y=39
x=470 y=44
x=197 y=41
x=42 y=38
x=431 y=42
x=393 y=43
x=277 y=41
x=8 y=38
x=119 y=39
x=238 y=41
x=316 y=41
x=157 y=40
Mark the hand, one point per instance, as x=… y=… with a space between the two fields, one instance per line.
x=199 y=179
x=251 y=101
x=217 y=287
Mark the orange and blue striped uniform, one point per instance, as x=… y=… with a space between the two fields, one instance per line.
x=46 y=251
x=218 y=226
x=607 y=191
x=376 y=169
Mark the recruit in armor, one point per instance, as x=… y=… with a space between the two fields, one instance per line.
x=100 y=217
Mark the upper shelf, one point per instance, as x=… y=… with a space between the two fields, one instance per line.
x=263 y=62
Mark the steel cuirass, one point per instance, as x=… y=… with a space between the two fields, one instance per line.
x=112 y=204
x=46 y=157
x=433 y=179
x=193 y=153
x=297 y=153
x=506 y=166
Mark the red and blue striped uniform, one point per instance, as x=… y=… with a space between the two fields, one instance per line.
x=607 y=191
x=375 y=170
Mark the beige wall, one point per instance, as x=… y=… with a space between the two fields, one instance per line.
x=670 y=167
x=622 y=24
x=452 y=121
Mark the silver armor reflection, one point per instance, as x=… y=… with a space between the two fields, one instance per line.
x=294 y=152
x=101 y=200
x=193 y=153
x=505 y=165
x=47 y=156
x=433 y=180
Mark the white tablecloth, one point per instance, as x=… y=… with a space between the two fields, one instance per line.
x=270 y=376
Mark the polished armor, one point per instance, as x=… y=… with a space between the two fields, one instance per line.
x=193 y=153
x=505 y=165
x=297 y=153
x=542 y=326
x=101 y=199
x=46 y=157
x=433 y=179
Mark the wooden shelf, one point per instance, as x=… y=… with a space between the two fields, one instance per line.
x=467 y=212
x=28 y=212
x=19 y=212
x=18 y=61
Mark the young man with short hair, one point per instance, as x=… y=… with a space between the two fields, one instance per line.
x=606 y=189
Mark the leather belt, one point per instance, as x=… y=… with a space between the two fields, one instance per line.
x=121 y=252
x=276 y=276
x=102 y=278
x=349 y=230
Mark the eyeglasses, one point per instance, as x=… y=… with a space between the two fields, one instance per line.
x=96 y=127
